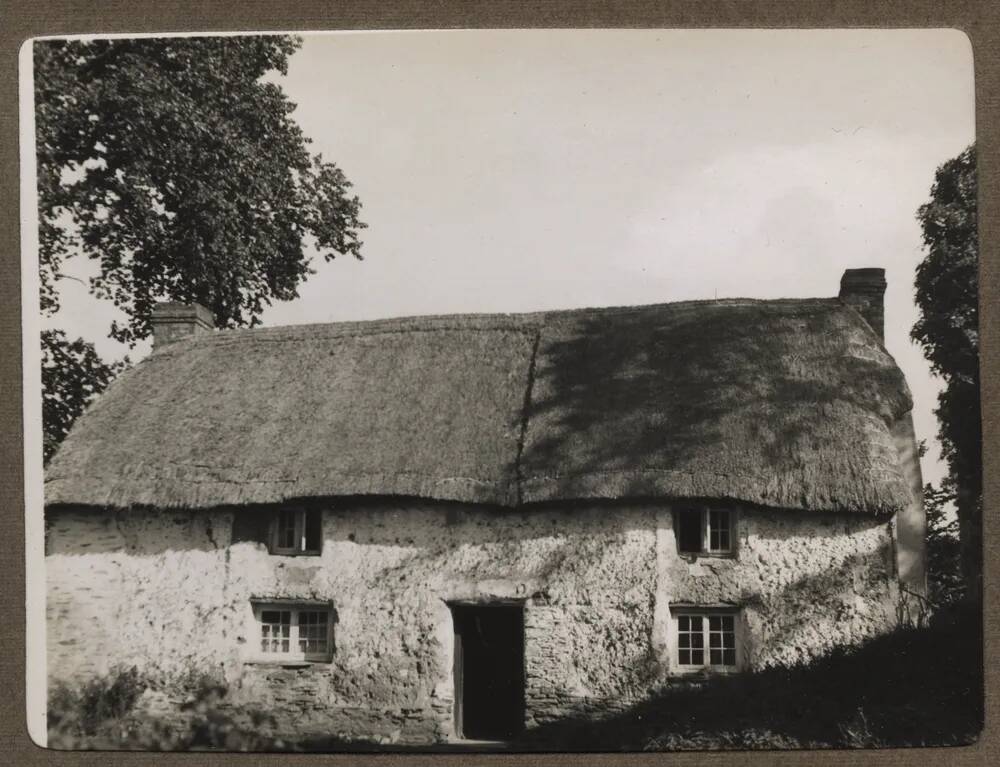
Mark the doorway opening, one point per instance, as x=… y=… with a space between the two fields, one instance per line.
x=489 y=670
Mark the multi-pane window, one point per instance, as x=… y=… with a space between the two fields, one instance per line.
x=721 y=640
x=297 y=532
x=705 y=531
x=287 y=533
x=719 y=530
x=690 y=640
x=314 y=632
x=293 y=632
x=275 y=631
x=706 y=641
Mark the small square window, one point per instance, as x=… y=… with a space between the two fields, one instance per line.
x=705 y=531
x=290 y=633
x=705 y=641
x=297 y=532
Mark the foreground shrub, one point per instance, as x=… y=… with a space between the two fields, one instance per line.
x=104 y=714
x=74 y=714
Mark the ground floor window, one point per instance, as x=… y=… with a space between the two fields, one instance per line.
x=706 y=640
x=293 y=632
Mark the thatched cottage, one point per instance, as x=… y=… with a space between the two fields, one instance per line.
x=437 y=528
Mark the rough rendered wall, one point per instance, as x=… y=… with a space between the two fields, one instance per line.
x=137 y=588
x=805 y=583
x=911 y=522
x=172 y=591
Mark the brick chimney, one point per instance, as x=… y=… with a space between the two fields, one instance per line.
x=864 y=289
x=172 y=321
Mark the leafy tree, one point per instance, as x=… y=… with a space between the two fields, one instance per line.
x=947 y=294
x=176 y=166
x=944 y=571
x=72 y=375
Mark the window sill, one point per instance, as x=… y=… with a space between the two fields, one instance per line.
x=272 y=663
x=692 y=557
x=700 y=673
x=296 y=554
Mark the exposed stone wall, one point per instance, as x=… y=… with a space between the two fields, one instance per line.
x=171 y=592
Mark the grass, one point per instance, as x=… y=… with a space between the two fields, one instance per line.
x=914 y=687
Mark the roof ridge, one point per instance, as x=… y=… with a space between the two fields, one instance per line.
x=469 y=321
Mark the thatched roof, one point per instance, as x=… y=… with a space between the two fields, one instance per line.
x=780 y=403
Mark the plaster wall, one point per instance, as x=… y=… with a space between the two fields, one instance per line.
x=171 y=592
x=911 y=522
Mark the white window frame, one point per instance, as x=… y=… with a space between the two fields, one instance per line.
x=705 y=613
x=705 y=513
x=707 y=534
x=294 y=655
x=300 y=549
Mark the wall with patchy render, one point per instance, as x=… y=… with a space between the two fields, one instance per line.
x=171 y=591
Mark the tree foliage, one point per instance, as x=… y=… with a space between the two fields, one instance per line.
x=947 y=295
x=72 y=375
x=944 y=571
x=176 y=165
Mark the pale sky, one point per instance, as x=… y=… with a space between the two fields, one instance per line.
x=513 y=171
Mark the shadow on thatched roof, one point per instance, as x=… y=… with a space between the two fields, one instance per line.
x=783 y=403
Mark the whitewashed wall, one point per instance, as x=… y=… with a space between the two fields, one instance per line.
x=171 y=591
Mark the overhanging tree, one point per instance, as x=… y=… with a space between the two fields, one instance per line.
x=947 y=295
x=72 y=375
x=176 y=166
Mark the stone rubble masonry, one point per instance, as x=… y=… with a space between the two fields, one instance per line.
x=171 y=593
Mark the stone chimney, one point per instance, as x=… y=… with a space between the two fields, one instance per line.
x=172 y=321
x=864 y=289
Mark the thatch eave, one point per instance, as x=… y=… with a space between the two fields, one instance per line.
x=787 y=404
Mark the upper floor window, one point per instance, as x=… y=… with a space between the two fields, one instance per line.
x=705 y=531
x=297 y=532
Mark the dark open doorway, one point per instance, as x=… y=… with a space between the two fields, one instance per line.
x=489 y=670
